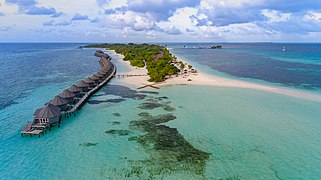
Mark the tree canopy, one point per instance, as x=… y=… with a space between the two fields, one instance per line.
x=157 y=58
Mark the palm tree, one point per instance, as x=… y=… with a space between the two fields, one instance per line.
x=189 y=67
x=182 y=68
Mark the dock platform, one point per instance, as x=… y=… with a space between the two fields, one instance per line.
x=40 y=127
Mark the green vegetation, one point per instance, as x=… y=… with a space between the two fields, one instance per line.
x=157 y=58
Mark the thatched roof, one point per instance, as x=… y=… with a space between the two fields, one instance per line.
x=67 y=94
x=89 y=81
x=102 y=71
x=49 y=111
x=94 y=77
x=74 y=89
x=58 y=101
x=82 y=84
x=98 y=74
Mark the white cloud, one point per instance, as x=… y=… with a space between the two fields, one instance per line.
x=210 y=4
x=314 y=16
x=135 y=21
x=176 y=20
x=276 y=16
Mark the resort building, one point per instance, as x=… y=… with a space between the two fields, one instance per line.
x=83 y=86
x=91 y=83
x=59 y=102
x=67 y=95
x=75 y=90
x=50 y=114
x=96 y=79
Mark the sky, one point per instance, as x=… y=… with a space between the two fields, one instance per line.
x=160 y=21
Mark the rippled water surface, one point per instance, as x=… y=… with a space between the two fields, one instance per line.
x=177 y=132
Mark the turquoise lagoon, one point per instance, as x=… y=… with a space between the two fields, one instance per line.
x=247 y=134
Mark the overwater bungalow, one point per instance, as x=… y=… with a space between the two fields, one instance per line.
x=67 y=95
x=99 y=75
x=103 y=72
x=83 y=86
x=50 y=114
x=59 y=102
x=95 y=78
x=57 y=107
x=75 y=90
x=91 y=83
x=101 y=54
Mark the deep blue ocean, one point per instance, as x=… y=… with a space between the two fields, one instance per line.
x=248 y=134
x=299 y=66
x=25 y=66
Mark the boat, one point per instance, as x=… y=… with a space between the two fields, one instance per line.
x=283 y=49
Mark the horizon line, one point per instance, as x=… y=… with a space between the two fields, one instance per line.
x=141 y=42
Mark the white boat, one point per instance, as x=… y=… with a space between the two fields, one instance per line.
x=283 y=49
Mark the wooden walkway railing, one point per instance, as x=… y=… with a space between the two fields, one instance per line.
x=129 y=75
x=84 y=99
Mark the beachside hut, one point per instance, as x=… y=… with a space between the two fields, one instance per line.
x=83 y=86
x=48 y=114
x=75 y=90
x=67 y=95
x=90 y=82
x=59 y=102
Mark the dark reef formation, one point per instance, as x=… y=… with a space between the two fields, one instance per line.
x=106 y=101
x=88 y=144
x=116 y=114
x=170 y=152
x=122 y=91
x=122 y=132
x=153 y=103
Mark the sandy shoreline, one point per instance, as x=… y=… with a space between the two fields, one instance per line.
x=204 y=79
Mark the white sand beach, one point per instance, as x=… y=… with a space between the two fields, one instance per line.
x=201 y=78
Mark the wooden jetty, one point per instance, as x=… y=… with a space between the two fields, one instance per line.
x=129 y=75
x=84 y=99
x=53 y=111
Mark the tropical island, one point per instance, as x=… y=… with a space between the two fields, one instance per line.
x=159 y=62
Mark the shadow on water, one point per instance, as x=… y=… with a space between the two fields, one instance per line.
x=122 y=91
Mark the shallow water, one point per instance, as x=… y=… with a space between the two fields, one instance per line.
x=247 y=134
x=298 y=67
